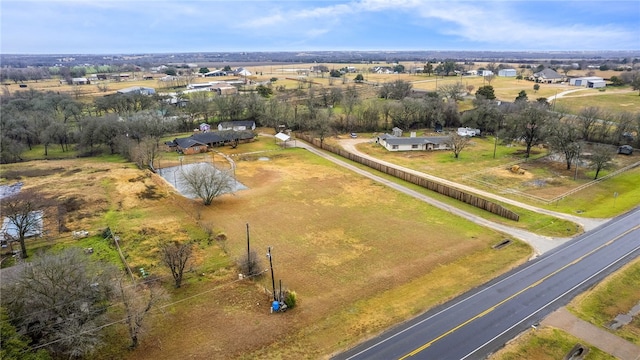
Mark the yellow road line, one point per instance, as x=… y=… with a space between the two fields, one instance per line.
x=487 y=311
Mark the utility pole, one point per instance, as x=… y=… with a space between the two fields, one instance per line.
x=249 y=267
x=273 y=280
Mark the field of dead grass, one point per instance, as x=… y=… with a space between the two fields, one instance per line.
x=340 y=241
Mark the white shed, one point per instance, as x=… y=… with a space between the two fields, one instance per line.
x=507 y=72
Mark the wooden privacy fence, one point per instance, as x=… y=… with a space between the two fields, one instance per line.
x=418 y=180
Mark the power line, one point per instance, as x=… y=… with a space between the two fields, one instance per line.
x=153 y=312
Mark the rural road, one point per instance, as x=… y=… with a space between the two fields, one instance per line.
x=477 y=323
x=540 y=244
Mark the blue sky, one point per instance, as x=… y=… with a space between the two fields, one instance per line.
x=159 y=26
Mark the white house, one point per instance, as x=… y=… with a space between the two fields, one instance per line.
x=485 y=72
x=507 y=72
x=394 y=143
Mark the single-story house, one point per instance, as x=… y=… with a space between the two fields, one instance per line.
x=394 y=143
x=507 y=72
x=137 y=90
x=237 y=125
x=485 y=72
x=201 y=141
x=547 y=76
x=215 y=73
x=467 y=131
x=210 y=138
x=588 y=81
x=9 y=231
x=80 y=81
x=189 y=146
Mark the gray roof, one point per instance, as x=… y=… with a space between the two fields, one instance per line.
x=228 y=124
x=548 y=74
x=393 y=140
x=209 y=138
x=185 y=143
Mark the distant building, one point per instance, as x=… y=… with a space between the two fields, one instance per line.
x=467 y=131
x=80 y=81
x=485 y=72
x=588 y=81
x=507 y=72
x=137 y=90
x=547 y=76
x=237 y=125
x=215 y=73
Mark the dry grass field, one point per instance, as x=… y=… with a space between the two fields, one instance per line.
x=360 y=256
x=348 y=246
x=506 y=89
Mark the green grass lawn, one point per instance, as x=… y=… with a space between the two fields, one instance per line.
x=546 y=344
x=611 y=101
x=597 y=201
x=614 y=296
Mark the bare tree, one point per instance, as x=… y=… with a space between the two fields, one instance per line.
x=601 y=158
x=451 y=91
x=25 y=216
x=588 y=119
x=457 y=143
x=60 y=301
x=138 y=300
x=145 y=153
x=206 y=182
x=564 y=138
x=528 y=125
x=176 y=255
x=251 y=264
x=489 y=78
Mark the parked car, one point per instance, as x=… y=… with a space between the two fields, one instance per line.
x=625 y=149
x=353 y=135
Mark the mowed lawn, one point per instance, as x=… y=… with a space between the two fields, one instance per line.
x=543 y=180
x=348 y=246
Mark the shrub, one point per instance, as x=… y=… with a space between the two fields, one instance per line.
x=290 y=298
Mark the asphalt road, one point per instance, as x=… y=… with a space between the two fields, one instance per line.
x=479 y=322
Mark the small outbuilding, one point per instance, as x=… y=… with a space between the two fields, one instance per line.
x=507 y=73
